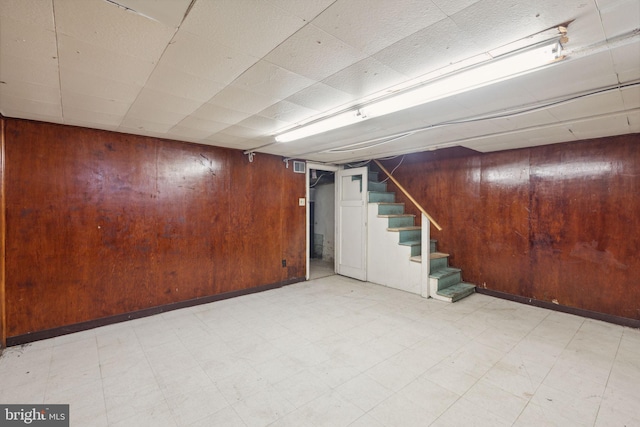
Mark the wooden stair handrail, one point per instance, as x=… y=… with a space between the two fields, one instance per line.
x=406 y=193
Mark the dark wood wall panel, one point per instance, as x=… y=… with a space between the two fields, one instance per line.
x=557 y=223
x=101 y=223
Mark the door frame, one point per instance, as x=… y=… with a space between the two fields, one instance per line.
x=322 y=167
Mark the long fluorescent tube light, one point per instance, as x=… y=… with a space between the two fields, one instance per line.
x=485 y=73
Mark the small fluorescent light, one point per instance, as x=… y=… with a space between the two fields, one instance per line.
x=483 y=72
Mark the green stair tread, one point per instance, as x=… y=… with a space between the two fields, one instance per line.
x=432 y=255
x=458 y=291
x=396 y=215
x=411 y=243
x=407 y=228
x=444 y=272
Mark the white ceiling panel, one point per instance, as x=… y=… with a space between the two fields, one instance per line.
x=314 y=53
x=450 y=7
x=626 y=60
x=204 y=58
x=168 y=12
x=607 y=102
x=250 y=26
x=426 y=51
x=270 y=80
x=601 y=126
x=171 y=80
x=365 y=77
x=305 y=9
x=80 y=116
x=77 y=55
x=26 y=40
x=619 y=16
x=372 y=25
x=238 y=99
x=320 y=97
x=150 y=98
x=97 y=86
x=94 y=104
x=234 y=72
x=220 y=114
x=286 y=111
x=105 y=25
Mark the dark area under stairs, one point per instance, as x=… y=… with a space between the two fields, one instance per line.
x=449 y=279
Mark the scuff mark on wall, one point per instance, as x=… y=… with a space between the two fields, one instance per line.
x=589 y=252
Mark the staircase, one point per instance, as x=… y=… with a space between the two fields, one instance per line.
x=400 y=267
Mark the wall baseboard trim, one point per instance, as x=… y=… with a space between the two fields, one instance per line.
x=623 y=321
x=91 y=324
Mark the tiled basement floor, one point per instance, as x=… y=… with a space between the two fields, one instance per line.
x=337 y=352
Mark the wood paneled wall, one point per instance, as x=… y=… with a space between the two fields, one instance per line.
x=102 y=223
x=558 y=223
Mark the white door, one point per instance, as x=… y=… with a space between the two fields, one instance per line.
x=351 y=223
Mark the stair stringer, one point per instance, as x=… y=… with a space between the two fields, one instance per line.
x=388 y=263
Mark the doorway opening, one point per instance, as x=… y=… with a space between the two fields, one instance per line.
x=321 y=228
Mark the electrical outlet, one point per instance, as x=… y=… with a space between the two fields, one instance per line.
x=284 y=262
x=302 y=201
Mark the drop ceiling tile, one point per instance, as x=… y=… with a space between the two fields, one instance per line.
x=222 y=139
x=168 y=79
x=626 y=61
x=320 y=97
x=94 y=104
x=27 y=41
x=631 y=97
x=305 y=9
x=184 y=133
x=526 y=120
x=372 y=25
x=168 y=12
x=158 y=114
x=140 y=126
x=634 y=121
x=35 y=114
x=238 y=99
x=500 y=96
x=202 y=125
x=451 y=7
x=78 y=115
x=288 y=112
x=90 y=59
x=149 y=98
x=36 y=12
x=600 y=127
x=250 y=26
x=92 y=124
x=494 y=23
x=97 y=86
x=314 y=53
x=17 y=70
x=432 y=48
x=205 y=59
x=272 y=81
x=242 y=132
x=32 y=91
x=572 y=76
x=364 y=78
x=112 y=28
x=10 y=104
x=589 y=106
x=619 y=17
x=262 y=124
x=219 y=114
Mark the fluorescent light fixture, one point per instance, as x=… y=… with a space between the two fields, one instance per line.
x=484 y=70
x=323 y=125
